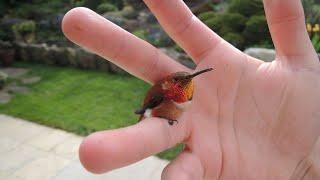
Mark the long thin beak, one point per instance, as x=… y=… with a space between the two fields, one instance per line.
x=198 y=73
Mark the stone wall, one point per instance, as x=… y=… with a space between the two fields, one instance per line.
x=63 y=56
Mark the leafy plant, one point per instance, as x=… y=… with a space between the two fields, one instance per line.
x=106 y=7
x=206 y=15
x=316 y=42
x=256 y=30
x=25 y=27
x=246 y=7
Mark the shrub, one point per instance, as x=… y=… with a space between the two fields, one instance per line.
x=214 y=23
x=3 y=79
x=25 y=27
x=316 y=42
x=118 y=3
x=226 y=23
x=206 y=16
x=235 y=39
x=129 y=12
x=140 y=34
x=106 y=7
x=257 y=31
x=235 y=21
x=246 y=7
x=312 y=10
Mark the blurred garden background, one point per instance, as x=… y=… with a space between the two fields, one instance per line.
x=47 y=79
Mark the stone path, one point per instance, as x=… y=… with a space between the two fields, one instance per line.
x=35 y=152
x=17 y=75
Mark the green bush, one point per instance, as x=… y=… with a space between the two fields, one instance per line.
x=206 y=16
x=106 y=7
x=118 y=3
x=257 y=31
x=226 y=23
x=214 y=23
x=25 y=27
x=129 y=12
x=316 y=42
x=235 y=39
x=246 y=7
x=235 y=21
x=312 y=10
x=141 y=34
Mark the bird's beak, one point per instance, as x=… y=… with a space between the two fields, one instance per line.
x=198 y=73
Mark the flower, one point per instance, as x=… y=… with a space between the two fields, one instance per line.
x=309 y=27
x=316 y=28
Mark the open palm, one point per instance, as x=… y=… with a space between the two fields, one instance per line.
x=248 y=119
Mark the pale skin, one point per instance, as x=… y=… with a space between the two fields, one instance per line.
x=248 y=119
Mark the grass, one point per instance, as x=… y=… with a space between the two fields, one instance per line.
x=80 y=101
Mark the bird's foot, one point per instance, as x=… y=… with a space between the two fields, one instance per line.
x=172 y=121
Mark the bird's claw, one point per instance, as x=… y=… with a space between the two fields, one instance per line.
x=171 y=121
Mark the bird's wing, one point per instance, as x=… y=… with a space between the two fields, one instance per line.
x=155 y=101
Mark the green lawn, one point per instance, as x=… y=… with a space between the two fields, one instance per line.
x=80 y=101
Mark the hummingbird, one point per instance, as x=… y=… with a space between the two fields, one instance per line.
x=169 y=97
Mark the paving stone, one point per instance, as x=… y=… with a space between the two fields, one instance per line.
x=13 y=177
x=11 y=88
x=19 y=130
x=69 y=148
x=4 y=97
x=15 y=72
x=7 y=144
x=50 y=140
x=17 y=158
x=31 y=80
x=32 y=151
x=43 y=168
x=3 y=174
x=141 y=170
x=156 y=174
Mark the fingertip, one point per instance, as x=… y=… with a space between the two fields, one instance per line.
x=73 y=22
x=91 y=154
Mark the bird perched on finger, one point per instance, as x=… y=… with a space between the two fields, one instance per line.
x=169 y=97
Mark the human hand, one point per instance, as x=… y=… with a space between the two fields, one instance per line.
x=248 y=119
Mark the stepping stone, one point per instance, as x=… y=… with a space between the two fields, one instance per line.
x=31 y=80
x=15 y=72
x=4 y=97
x=13 y=88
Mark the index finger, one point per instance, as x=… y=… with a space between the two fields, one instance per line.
x=92 y=31
x=107 y=150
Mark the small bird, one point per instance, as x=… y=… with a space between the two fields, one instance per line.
x=169 y=97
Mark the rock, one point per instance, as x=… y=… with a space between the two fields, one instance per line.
x=117 y=18
x=4 y=97
x=14 y=88
x=71 y=56
x=15 y=72
x=267 y=55
x=117 y=70
x=103 y=64
x=86 y=59
x=31 y=80
x=179 y=57
x=57 y=56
